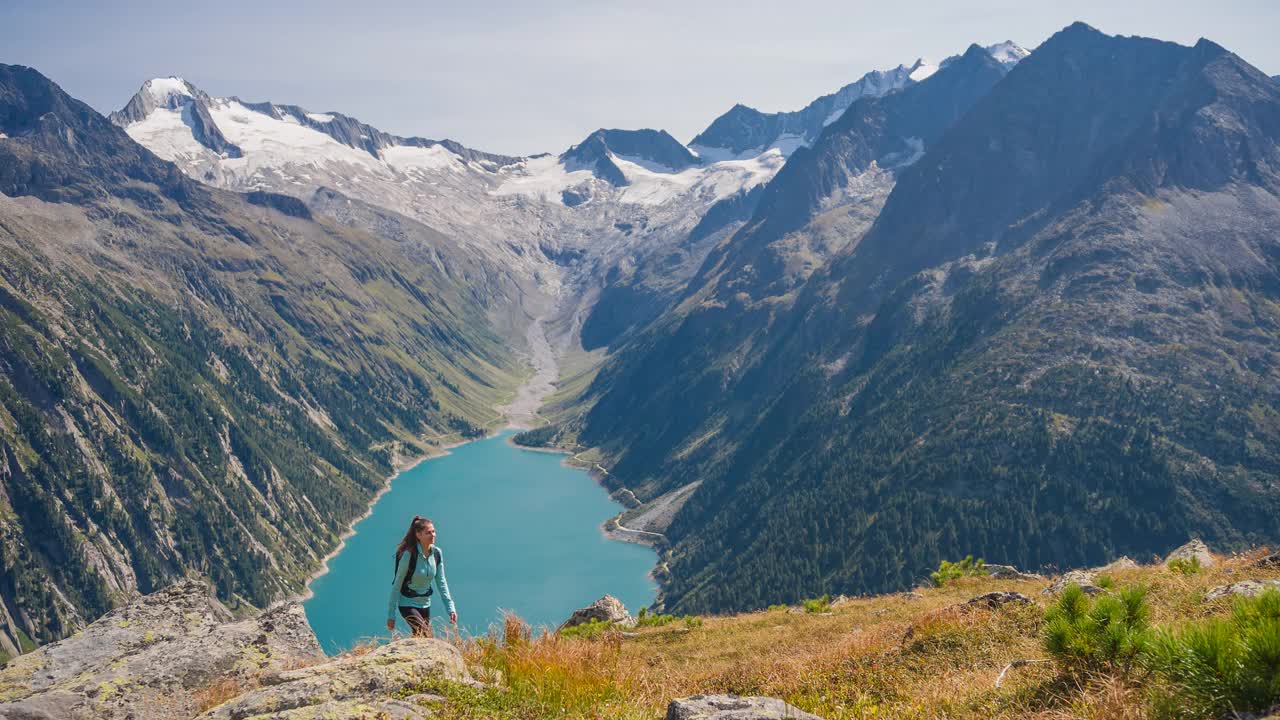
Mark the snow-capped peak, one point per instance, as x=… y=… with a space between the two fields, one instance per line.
x=1007 y=52
x=161 y=89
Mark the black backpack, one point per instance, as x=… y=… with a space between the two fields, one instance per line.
x=407 y=591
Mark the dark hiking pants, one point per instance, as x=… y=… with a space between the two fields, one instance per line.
x=419 y=620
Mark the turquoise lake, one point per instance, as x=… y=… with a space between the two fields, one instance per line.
x=519 y=531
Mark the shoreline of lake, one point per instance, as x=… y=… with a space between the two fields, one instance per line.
x=400 y=468
x=484 y=494
x=621 y=534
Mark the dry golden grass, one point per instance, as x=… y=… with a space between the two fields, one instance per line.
x=220 y=691
x=920 y=655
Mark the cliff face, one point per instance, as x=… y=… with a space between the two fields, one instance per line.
x=192 y=379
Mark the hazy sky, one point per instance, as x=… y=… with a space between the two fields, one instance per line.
x=530 y=76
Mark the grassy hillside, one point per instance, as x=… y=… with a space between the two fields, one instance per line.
x=922 y=654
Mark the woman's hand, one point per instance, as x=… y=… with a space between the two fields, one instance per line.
x=391 y=624
x=453 y=618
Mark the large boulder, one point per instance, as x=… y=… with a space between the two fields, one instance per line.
x=1196 y=549
x=734 y=707
x=606 y=609
x=151 y=659
x=1247 y=588
x=347 y=682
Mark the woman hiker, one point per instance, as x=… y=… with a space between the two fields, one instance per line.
x=418 y=562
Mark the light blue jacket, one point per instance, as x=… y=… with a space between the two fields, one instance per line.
x=423 y=575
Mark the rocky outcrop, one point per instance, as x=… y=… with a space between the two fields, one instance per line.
x=1194 y=550
x=1009 y=572
x=606 y=609
x=349 y=685
x=1119 y=564
x=734 y=707
x=153 y=658
x=1083 y=578
x=174 y=653
x=1247 y=588
x=997 y=600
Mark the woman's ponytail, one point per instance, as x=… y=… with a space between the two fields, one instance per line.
x=411 y=535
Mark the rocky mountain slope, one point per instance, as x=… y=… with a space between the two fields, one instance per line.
x=198 y=380
x=1055 y=343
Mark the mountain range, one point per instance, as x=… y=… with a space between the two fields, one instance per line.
x=1052 y=341
x=607 y=231
x=1019 y=304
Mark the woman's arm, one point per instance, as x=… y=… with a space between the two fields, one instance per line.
x=443 y=584
x=402 y=569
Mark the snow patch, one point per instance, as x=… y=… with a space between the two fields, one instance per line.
x=710 y=183
x=268 y=142
x=646 y=163
x=407 y=157
x=161 y=89
x=167 y=133
x=542 y=177
x=784 y=145
x=320 y=117
x=923 y=69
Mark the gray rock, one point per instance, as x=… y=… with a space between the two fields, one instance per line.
x=381 y=709
x=348 y=681
x=1083 y=578
x=996 y=600
x=734 y=707
x=149 y=659
x=606 y=609
x=1194 y=549
x=1247 y=588
x=1121 y=563
x=1009 y=572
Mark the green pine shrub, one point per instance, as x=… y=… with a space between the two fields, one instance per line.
x=1220 y=666
x=656 y=620
x=589 y=630
x=947 y=571
x=818 y=604
x=1094 y=636
x=1189 y=566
